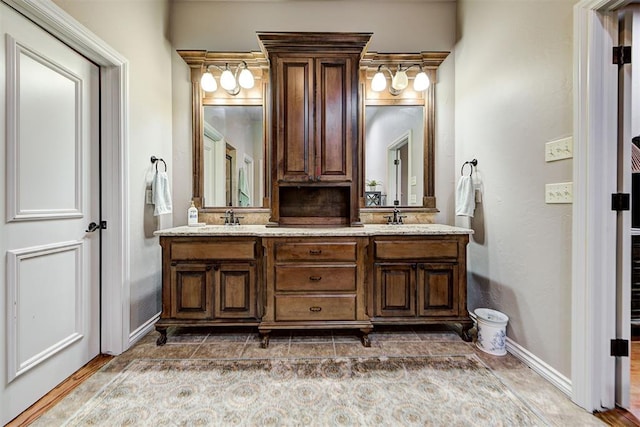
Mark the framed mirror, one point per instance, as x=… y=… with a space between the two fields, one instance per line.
x=399 y=130
x=233 y=156
x=229 y=136
x=394 y=153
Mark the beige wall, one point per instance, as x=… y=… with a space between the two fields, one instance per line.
x=137 y=30
x=513 y=90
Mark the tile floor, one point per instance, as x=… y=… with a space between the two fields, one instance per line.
x=542 y=397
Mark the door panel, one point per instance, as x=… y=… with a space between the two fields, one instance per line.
x=333 y=121
x=395 y=287
x=192 y=291
x=437 y=290
x=236 y=291
x=50 y=195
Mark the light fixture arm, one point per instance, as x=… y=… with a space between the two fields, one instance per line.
x=241 y=77
x=399 y=79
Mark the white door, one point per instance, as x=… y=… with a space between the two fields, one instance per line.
x=50 y=268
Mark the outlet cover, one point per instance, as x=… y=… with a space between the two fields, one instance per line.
x=560 y=192
x=558 y=150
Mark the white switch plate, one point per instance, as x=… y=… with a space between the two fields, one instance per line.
x=560 y=192
x=558 y=150
x=413 y=180
x=412 y=199
x=148 y=197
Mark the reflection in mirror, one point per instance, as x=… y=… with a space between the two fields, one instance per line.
x=394 y=155
x=233 y=156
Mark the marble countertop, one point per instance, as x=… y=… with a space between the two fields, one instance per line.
x=263 y=231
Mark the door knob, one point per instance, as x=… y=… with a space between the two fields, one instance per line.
x=94 y=226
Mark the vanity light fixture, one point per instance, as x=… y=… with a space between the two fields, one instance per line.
x=399 y=80
x=230 y=81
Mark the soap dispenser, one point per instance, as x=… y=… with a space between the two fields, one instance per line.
x=192 y=215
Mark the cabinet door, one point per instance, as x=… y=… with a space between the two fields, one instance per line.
x=394 y=290
x=235 y=291
x=191 y=291
x=437 y=289
x=334 y=122
x=294 y=110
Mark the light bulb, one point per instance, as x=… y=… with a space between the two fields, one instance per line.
x=208 y=83
x=245 y=79
x=379 y=82
x=400 y=80
x=421 y=82
x=227 y=81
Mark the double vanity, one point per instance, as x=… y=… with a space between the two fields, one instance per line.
x=314 y=278
x=316 y=159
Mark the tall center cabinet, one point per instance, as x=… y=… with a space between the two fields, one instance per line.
x=315 y=133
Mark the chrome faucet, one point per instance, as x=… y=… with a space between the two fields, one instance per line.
x=396 y=218
x=230 y=218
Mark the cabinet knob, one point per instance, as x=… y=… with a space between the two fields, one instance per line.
x=315 y=309
x=315 y=278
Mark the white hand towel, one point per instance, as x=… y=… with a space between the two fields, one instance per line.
x=243 y=189
x=465 y=197
x=161 y=194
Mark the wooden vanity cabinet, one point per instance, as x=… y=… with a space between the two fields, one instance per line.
x=316 y=115
x=315 y=283
x=208 y=281
x=420 y=280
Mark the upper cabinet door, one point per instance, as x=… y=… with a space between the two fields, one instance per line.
x=294 y=109
x=334 y=118
x=314 y=118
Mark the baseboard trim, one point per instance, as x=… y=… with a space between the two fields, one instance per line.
x=547 y=372
x=143 y=330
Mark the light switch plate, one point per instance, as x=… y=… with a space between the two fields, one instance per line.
x=413 y=180
x=412 y=199
x=558 y=150
x=560 y=192
x=148 y=197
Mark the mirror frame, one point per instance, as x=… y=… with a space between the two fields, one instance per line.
x=429 y=61
x=259 y=66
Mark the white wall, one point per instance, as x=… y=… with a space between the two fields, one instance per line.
x=513 y=93
x=397 y=26
x=137 y=30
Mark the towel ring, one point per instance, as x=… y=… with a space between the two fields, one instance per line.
x=155 y=160
x=471 y=164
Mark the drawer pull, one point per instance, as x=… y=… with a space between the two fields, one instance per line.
x=315 y=251
x=315 y=278
x=315 y=309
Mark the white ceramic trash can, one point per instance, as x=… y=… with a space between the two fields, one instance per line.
x=492 y=335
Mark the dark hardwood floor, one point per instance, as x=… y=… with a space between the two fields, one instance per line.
x=58 y=393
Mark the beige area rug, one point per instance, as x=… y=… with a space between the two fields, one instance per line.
x=441 y=391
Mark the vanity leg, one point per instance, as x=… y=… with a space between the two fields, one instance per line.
x=264 y=339
x=464 y=331
x=162 y=339
x=365 y=337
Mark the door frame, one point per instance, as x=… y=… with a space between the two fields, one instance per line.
x=593 y=310
x=114 y=118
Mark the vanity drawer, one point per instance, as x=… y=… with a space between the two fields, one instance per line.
x=315 y=277
x=316 y=251
x=242 y=250
x=415 y=249
x=326 y=307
